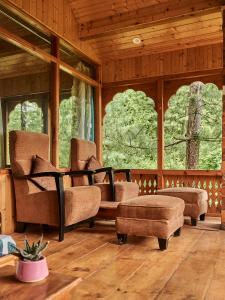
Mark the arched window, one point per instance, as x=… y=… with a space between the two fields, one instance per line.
x=130 y=131
x=193 y=128
x=27 y=116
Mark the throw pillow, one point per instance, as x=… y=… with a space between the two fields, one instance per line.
x=94 y=164
x=41 y=165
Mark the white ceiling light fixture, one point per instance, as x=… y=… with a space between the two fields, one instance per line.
x=136 y=40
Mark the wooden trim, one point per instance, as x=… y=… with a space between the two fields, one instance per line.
x=36 y=51
x=146 y=16
x=160 y=130
x=98 y=115
x=223 y=119
x=70 y=70
x=144 y=80
x=178 y=172
x=54 y=104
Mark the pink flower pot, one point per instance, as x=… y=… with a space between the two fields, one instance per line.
x=32 y=271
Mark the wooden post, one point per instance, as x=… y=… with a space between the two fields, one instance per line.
x=54 y=103
x=160 y=135
x=223 y=128
x=98 y=114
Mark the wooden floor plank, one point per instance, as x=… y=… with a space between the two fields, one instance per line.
x=194 y=274
x=216 y=289
x=151 y=278
x=193 y=267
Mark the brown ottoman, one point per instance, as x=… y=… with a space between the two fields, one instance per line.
x=150 y=215
x=196 y=201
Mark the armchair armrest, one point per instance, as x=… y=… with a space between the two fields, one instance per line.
x=107 y=170
x=60 y=195
x=126 y=171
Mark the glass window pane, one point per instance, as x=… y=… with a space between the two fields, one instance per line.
x=23 y=29
x=69 y=56
x=76 y=114
x=24 y=91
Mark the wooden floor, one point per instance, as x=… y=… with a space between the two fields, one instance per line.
x=192 y=268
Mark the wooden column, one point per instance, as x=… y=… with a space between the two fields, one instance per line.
x=54 y=104
x=160 y=133
x=98 y=114
x=223 y=129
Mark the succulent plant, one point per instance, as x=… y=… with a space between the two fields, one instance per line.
x=31 y=252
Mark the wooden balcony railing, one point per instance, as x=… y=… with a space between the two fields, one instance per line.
x=151 y=180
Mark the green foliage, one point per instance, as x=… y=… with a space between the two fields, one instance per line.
x=31 y=252
x=26 y=116
x=67 y=128
x=211 y=129
x=130 y=131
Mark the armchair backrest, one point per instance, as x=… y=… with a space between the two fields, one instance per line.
x=81 y=151
x=23 y=146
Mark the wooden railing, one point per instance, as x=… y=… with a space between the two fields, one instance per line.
x=151 y=180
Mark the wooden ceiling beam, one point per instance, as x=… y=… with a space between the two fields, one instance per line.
x=144 y=17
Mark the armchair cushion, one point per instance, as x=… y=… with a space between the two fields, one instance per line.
x=41 y=165
x=94 y=164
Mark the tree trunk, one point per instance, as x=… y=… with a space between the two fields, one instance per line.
x=194 y=125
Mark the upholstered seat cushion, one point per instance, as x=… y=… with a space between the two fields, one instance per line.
x=150 y=215
x=195 y=199
x=188 y=194
x=152 y=207
x=109 y=204
x=123 y=190
x=81 y=203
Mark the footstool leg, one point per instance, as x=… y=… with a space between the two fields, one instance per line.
x=163 y=244
x=194 y=222
x=122 y=238
x=91 y=222
x=177 y=232
x=202 y=217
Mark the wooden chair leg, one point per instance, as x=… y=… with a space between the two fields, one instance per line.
x=194 y=222
x=163 y=244
x=177 y=232
x=20 y=227
x=122 y=238
x=202 y=217
x=61 y=233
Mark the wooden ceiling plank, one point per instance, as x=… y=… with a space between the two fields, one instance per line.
x=157 y=28
x=163 y=47
x=145 y=17
x=169 y=33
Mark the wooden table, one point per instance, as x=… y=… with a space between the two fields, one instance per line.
x=55 y=286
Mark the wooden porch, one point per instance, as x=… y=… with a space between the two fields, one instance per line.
x=152 y=46
x=192 y=268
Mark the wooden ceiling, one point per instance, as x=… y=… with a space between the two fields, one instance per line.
x=161 y=25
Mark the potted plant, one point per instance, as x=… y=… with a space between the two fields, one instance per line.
x=31 y=266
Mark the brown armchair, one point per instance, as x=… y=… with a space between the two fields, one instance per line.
x=111 y=192
x=37 y=204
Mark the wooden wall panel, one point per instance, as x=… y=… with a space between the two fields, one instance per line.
x=168 y=63
x=7 y=203
x=56 y=15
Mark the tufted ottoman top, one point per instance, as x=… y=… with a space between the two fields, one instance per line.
x=188 y=194
x=151 y=207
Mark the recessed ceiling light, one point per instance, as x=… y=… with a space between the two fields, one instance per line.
x=136 y=40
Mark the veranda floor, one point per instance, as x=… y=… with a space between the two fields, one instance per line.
x=192 y=268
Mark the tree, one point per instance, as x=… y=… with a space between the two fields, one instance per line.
x=130 y=131
x=193 y=128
